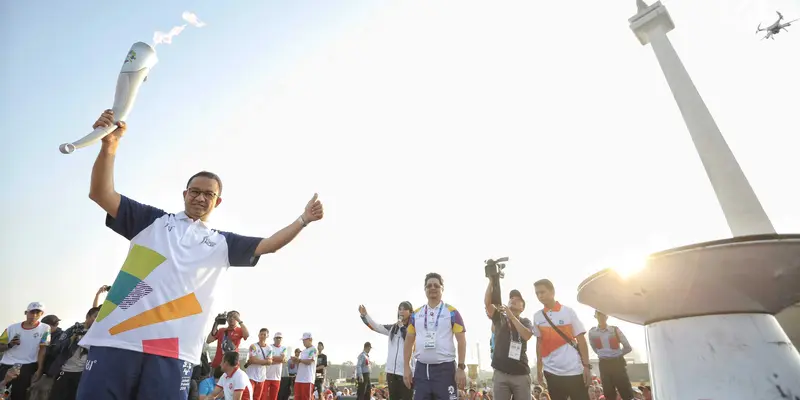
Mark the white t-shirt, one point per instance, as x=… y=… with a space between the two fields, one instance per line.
x=258 y=373
x=443 y=322
x=559 y=357
x=161 y=301
x=275 y=370
x=306 y=373
x=237 y=382
x=30 y=340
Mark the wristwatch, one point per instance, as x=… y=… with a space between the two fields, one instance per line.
x=588 y=366
x=462 y=366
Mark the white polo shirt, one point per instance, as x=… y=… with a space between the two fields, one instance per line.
x=237 y=382
x=30 y=340
x=161 y=300
x=307 y=373
x=275 y=371
x=258 y=373
x=444 y=321
x=559 y=357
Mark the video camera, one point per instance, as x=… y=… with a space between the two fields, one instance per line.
x=79 y=329
x=221 y=318
x=494 y=271
x=494 y=268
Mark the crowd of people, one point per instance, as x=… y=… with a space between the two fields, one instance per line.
x=146 y=339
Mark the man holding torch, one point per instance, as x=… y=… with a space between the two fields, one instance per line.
x=150 y=329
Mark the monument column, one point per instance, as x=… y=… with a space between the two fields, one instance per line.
x=708 y=308
x=739 y=203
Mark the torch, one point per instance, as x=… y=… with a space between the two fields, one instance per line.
x=140 y=59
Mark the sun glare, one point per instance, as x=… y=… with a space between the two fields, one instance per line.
x=630 y=265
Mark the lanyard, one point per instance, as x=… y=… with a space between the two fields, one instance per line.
x=511 y=329
x=436 y=325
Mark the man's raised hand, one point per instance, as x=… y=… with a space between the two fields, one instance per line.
x=107 y=119
x=313 y=211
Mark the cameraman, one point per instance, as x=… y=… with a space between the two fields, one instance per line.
x=70 y=359
x=229 y=338
x=511 y=335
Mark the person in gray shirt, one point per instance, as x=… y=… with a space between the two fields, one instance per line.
x=362 y=374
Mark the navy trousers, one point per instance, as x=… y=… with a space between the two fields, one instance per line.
x=435 y=381
x=117 y=374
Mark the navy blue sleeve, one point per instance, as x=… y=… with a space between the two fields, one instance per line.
x=241 y=249
x=132 y=217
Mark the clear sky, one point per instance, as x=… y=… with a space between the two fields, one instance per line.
x=438 y=134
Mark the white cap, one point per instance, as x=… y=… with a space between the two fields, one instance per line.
x=35 y=306
x=277 y=335
x=307 y=335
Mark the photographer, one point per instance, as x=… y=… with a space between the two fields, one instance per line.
x=229 y=338
x=510 y=358
x=70 y=359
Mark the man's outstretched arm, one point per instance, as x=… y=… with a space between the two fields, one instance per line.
x=313 y=212
x=101 y=190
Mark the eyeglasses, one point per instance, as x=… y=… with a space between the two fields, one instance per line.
x=433 y=286
x=193 y=193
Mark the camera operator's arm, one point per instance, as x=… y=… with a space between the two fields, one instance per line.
x=245 y=331
x=100 y=291
x=212 y=337
x=524 y=326
x=487 y=300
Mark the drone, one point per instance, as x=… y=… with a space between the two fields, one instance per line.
x=775 y=28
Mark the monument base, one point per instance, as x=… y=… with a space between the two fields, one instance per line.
x=708 y=311
x=750 y=354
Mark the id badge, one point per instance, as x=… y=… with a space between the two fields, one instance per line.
x=430 y=340
x=514 y=350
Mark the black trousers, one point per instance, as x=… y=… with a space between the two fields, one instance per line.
x=65 y=386
x=318 y=385
x=364 y=391
x=566 y=387
x=397 y=388
x=20 y=385
x=614 y=374
x=285 y=391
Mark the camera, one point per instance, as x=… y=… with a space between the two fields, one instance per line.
x=79 y=329
x=494 y=271
x=221 y=318
x=494 y=268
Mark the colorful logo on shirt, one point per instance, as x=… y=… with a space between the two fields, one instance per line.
x=130 y=287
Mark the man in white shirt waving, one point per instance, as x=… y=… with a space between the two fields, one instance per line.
x=234 y=383
x=149 y=331
x=306 y=371
x=432 y=330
